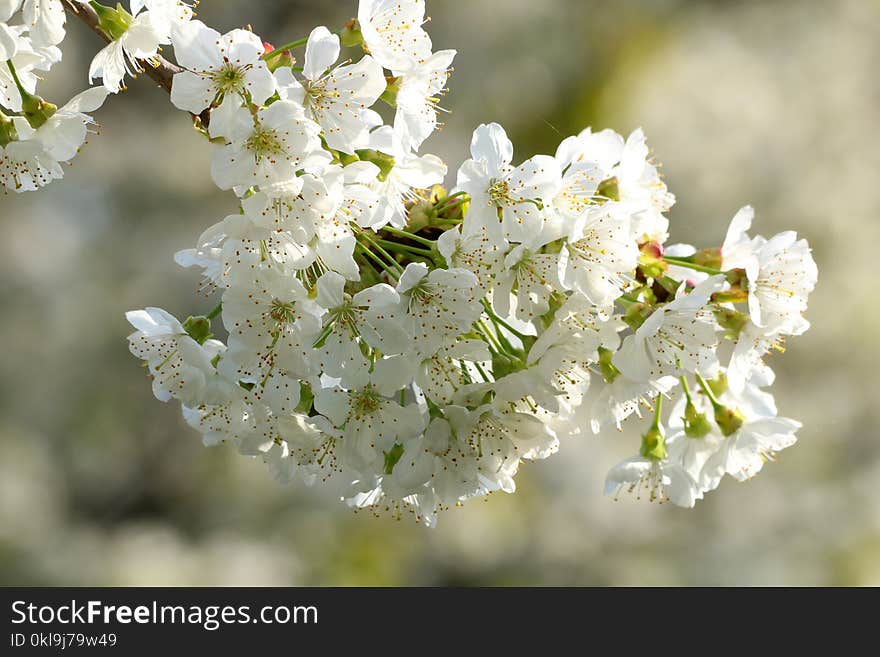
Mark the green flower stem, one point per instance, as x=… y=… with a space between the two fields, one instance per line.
x=708 y=390
x=453 y=197
x=658 y=411
x=381 y=263
x=482 y=373
x=684 y=262
x=497 y=320
x=15 y=79
x=214 y=313
x=287 y=46
x=409 y=236
x=686 y=389
x=390 y=258
x=405 y=249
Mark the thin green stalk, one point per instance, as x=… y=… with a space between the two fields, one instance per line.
x=683 y=262
x=405 y=249
x=390 y=258
x=409 y=236
x=287 y=46
x=216 y=311
x=382 y=264
x=686 y=389
x=709 y=393
x=497 y=320
x=658 y=411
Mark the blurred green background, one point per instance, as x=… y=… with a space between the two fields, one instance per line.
x=770 y=103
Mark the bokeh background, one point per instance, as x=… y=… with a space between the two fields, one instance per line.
x=770 y=103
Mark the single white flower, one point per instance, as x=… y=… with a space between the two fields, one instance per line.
x=677 y=337
x=272 y=325
x=409 y=174
x=144 y=32
x=532 y=276
x=660 y=480
x=599 y=256
x=781 y=274
x=417 y=96
x=499 y=441
x=442 y=374
x=180 y=367
x=34 y=159
x=392 y=30
x=436 y=305
x=227 y=66
x=267 y=149
x=629 y=175
x=507 y=200
x=639 y=184
x=28 y=60
x=366 y=318
x=370 y=418
x=476 y=252
x=335 y=97
x=24 y=164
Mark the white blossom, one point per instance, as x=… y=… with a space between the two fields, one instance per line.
x=218 y=66
x=334 y=97
x=392 y=30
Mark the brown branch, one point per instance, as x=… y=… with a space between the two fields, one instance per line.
x=161 y=70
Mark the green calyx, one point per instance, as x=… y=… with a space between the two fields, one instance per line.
x=36 y=110
x=114 y=22
x=696 y=424
x=392 y=457
x=732 y=321
x=608 y=190
x=421 y=214
x=8 y=133
x=609 y=372
x=351 y=36
x=654 y=444
x=651 y=260
x=718 y=385
x=636 y=314
x=503 y=364
x=729 y=420
x=198 y=328
x=392 y=88
x=382 y=160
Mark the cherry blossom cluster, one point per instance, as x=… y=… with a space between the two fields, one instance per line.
x=411 y=344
